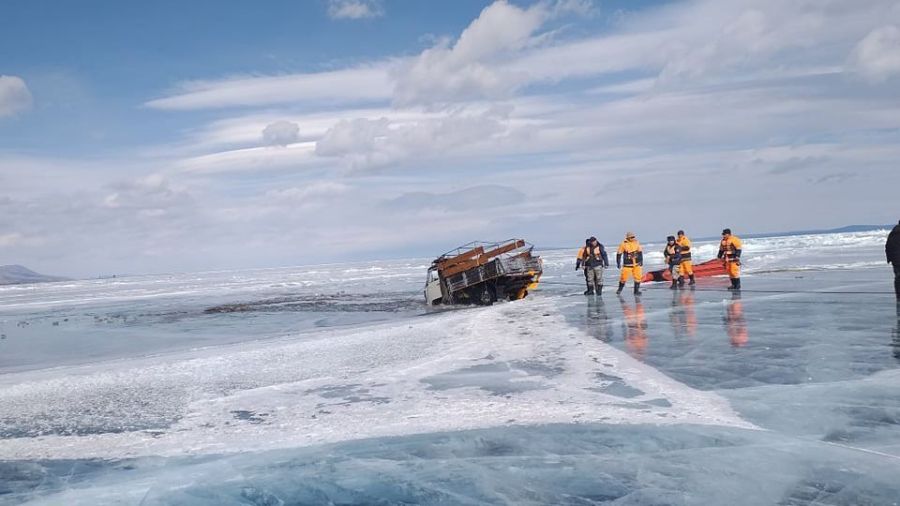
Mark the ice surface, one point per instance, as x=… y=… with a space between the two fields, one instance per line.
x=334 y=384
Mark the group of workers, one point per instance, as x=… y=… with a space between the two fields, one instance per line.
x=593 y=259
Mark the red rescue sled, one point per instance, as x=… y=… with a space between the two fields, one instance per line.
x=714 y=267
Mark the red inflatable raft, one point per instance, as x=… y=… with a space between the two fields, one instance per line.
x=714 y=267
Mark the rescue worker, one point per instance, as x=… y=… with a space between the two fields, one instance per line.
x=730 y=253
x=687 y=266
x=630 y=259
x=672 y=256
x=892 y=252
x=593 y=259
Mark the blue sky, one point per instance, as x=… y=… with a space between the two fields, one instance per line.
x=208 y=135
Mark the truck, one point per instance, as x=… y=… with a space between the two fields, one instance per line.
x=482 y=273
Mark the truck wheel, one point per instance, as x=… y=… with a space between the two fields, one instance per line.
x=488 y=295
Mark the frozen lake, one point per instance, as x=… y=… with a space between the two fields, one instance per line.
x=334 y=384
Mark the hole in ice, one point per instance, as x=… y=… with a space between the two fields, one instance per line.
x=249 y=416
x=324 y=303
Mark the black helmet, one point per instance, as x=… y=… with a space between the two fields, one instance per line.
x=681 y=232
x=592 y=239
x=726 y=231
x=670 y=238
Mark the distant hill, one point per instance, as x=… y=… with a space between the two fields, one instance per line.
x=19 y=275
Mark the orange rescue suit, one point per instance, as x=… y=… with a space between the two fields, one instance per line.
x=730 y=251
x=632 y=257
x=687 y=266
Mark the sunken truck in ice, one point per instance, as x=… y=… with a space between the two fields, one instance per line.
x=482 y=273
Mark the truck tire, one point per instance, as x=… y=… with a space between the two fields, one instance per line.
x=488 y=294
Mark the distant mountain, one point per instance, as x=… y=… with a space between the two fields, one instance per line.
x=18 y=275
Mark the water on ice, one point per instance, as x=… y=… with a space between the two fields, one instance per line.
x=334 y=384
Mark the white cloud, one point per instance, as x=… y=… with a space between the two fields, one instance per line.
x=10 y=239
x=14 y=95
x=293 y=157
x=461 y=201
x=281 y=133
x=370 y=143
x=339 y=86
x=877 y=56
x=354 y=9
x=310 y=193
x=470 y=68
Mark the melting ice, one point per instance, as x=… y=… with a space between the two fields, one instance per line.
x=334 y=384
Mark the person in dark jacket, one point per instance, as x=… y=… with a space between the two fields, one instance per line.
x=672 y=256
x=892 y=252
x=593 y=259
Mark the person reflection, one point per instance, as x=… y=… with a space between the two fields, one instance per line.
x=597 y=320
x=735 y=324
x=634 y=327
x=895 y=340
x=683 y=317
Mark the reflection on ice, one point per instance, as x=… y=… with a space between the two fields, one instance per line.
x=735 y=324
x=634 y=326
x=895 y=342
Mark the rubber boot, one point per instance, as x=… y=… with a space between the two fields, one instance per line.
x=734 y=284
x=693 y=282
x=680 y=280
x=621 y=286
x=674 y=284
x=737 y=283
x=637 y=289
x=599 y=288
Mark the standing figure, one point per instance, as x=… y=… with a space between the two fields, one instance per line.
x=730 y=253
x=892 y=251
x=593 y=259
x=687 y=266
x=630 y=258
x=672 y=255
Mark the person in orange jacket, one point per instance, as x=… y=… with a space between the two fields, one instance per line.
x=630 y=259
x=687 y=266
x=730 y=253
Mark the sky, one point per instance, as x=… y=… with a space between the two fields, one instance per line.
x=173 y=136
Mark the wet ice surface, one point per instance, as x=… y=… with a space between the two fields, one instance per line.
x=684 y=397
x=86 y=321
